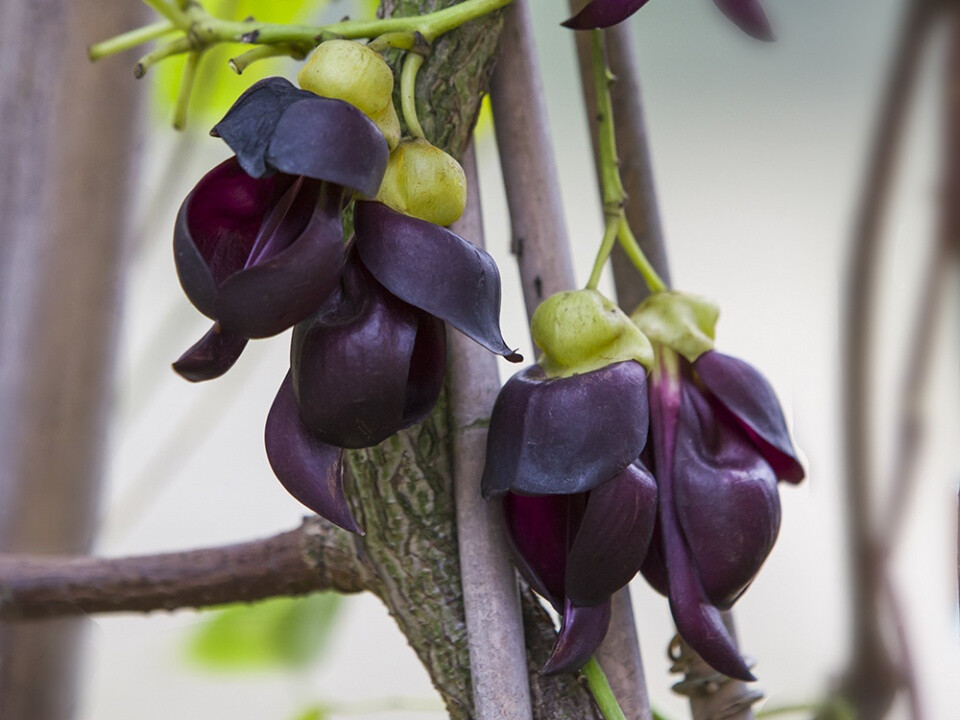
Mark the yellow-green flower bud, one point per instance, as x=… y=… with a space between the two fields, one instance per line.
x=348 y=70
x=424 y=182
x=389 y=125
x=581 y=330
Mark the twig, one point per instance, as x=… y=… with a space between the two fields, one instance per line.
x=33 y=587
x=871 y=681
x=498 y=661
x=541 y=247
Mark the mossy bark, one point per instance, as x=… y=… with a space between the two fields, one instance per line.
x=402 y=490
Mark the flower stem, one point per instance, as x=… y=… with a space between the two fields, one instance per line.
x=611 y=185
x=600 y=688
x=130 y=39
x=186 y=88
x=264 y=52
x=175 y=47
x=609 y=238
x=173 y=14
x=408 y=94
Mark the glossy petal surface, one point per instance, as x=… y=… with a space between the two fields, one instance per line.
x=581 y=632
x=249 y=125
x=748 y=16
x=309 y=469
x=726 y=500
x=749 y=397
x=699 y=622
x=330 y=140
x=211 y=356
x=537 y=528
x=352 y=363
x=296 y=266
x=435 y=270
x=217 y=226
x=603 y=14
x=567 y=435
x=613 y=536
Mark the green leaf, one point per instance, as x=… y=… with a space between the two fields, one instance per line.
x=216 y=86
x=277 y=633
x=314 y=713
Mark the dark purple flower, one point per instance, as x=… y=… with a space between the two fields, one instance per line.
x=748 y=15
x=720 y=445
x=579 y=506
x=371 y=360
x=258 y=242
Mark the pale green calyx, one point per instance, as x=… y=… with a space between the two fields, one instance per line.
x=581 y=331
x=684 y=323
x=350 y=71
x=423 y=181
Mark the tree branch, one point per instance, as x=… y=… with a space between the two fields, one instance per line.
x=316 y=556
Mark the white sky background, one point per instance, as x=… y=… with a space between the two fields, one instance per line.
x=758 y=151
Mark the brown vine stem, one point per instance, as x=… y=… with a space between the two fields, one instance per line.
x=871 y=681
x=498 y=661
x=541 y=247
x=34 y=587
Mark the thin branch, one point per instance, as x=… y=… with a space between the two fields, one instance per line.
x=316 y=556
x=498 y=659
x=542 y=250
x=871 y=681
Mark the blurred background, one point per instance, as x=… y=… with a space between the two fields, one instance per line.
x=758 y=153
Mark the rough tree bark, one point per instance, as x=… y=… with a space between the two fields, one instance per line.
x=66 y=167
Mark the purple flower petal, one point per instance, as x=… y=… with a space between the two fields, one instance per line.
x=603 y=14
x=537 y=528
x=428 y=364
x=217 y=227
x=352 y=364
x=435 y=270
x=581 y=633
x=309 y=469
x=565 y=435
x=700 y=624
x=298 y=266
x=613 y=536
x=751 y=400
x=249 y=125
x=748 y=16
x=329 y=140
x=211 y=356
x=726 y=500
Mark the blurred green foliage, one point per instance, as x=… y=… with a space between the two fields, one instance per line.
x=216 y=85
x=280 y=633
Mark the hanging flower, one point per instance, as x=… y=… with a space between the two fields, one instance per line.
x=720 y=444
x=562 y=451
x=748 y=15
x=258 y=242
x=371 y=360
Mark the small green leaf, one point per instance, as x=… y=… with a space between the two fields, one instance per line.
x=282 y=632
x=684 y=323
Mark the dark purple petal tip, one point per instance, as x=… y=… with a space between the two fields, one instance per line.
x=613 y=537
x=748 y=16
x=309 y=469
x=275 y=126
x=537 y=532
x=603 y=14
x=212 y=355
x=435 y=270
x=565 y=435
x=747 y=394
x=581 y=633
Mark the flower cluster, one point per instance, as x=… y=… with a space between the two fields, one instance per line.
x=259 y=249
x=589 y=501
x=748 y=15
